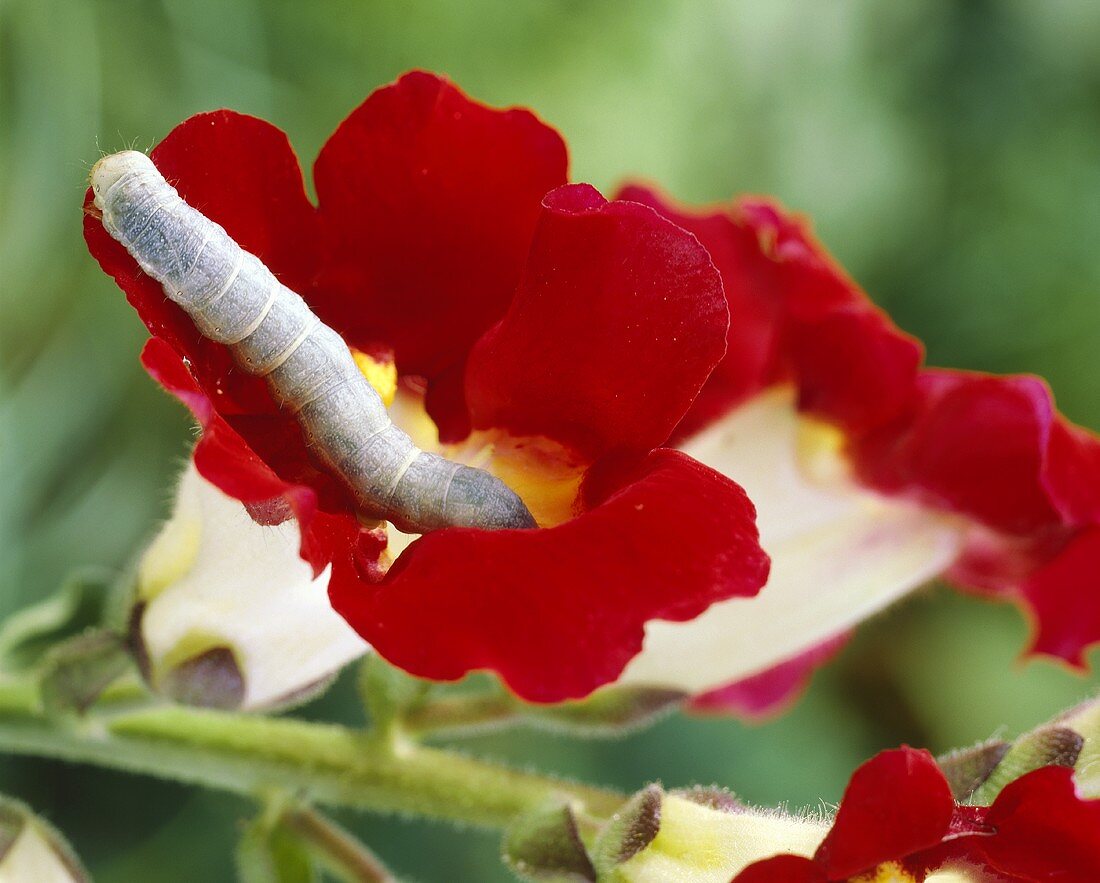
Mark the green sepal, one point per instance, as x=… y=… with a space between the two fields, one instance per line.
x=612 y=711
x=1045 y=746
x=77 y=671
x=966 y=769
x=81 y=603
x=629 y=831
x=546 y=845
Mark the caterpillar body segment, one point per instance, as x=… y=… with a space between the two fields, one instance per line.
x=235 y=300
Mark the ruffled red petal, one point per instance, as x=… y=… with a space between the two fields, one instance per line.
x=895 y=804
x=560 y=611
x=979 y=445
x=794 y=316
x=771 y=692
x=618 y=321
x=1064 y=598
x=1043 y=830
x=782 y=869
x=429 y=201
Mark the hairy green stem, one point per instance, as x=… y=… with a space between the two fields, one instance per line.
x=255 y=755
x=338 y=850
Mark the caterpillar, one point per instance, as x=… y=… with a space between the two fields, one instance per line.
x=235 y=300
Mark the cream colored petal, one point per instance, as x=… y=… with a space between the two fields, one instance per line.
x=839 y=554
x=32 y=858
x=213 y=577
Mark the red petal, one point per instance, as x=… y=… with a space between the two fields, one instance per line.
x=782 y=869
x=1063 y=596
x=794 y=314
x=618 y=321
x=560 y=611
x=896 y=803
x=1044 y=830
x=770 y=692
x=429 y=201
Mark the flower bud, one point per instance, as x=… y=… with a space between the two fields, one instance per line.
x=702 y=836
x=227 y=613
x=30 y=849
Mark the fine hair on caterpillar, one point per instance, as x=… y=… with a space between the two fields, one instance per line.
x=235 y=300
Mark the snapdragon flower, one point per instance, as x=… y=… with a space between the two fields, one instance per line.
x=536 y=330
x=871 y=473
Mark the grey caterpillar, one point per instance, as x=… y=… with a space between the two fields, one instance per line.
x=235 y=300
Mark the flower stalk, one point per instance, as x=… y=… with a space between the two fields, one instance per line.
x=257 y=756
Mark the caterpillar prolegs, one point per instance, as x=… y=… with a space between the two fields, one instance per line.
x=235 y=300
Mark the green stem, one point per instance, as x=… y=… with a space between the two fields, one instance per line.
x=320 y=762
x=458 y=715
x=338 y=850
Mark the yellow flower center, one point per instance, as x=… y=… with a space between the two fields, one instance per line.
x=381 y=375
x=891 y=872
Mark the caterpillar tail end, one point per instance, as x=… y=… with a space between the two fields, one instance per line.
x=479 y=499
x=110 y=169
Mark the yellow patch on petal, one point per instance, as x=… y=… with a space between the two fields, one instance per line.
x=891 y=872
x=545 y=474
x=381 y=375
x=819 y=451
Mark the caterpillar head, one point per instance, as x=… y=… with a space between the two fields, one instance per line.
x=112 y=168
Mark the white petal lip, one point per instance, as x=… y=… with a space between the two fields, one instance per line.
x=247 y=588
x=839 y=555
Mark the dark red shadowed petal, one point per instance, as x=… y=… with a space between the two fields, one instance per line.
x=559 y=612
x=771 y=692
x=896 y=803
x=1044 y=830
x=1064 y=598
x=782 y=869
x=225 y=460
x=794 y=315
x=429 y=201
x=617 y=323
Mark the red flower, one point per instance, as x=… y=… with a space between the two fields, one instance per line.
x=560 y=336
x=898 y=822
x=985 y=481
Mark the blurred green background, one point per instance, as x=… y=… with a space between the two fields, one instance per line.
x=949 y=153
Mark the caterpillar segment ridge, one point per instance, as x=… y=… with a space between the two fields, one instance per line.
x=235 y=300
